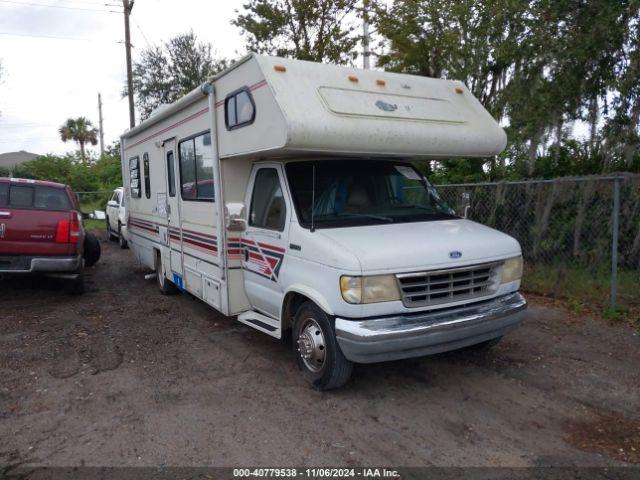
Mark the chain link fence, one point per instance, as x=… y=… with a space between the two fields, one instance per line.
x=568 y=229
x=580 y=237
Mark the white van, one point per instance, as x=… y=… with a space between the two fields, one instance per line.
x=283 y=192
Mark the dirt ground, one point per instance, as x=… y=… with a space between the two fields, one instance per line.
x=124 y=376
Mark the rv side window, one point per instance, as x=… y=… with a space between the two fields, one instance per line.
x=268 y=209
x=240 y=110
x=134 y=176
x=196 y=168
x=171 y=174
x=147 y=177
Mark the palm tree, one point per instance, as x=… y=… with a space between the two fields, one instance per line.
x=81 y=131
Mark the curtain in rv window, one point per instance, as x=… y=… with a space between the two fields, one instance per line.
x=134 y=176
x=196 y=168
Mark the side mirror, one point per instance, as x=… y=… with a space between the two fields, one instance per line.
x=112 y=203
x=99 y=215
x=234 y=217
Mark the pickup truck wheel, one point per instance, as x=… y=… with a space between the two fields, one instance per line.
x=166 y=286
x=121 y=240
x=317 y=352
x=92 y=250
x=112 y=236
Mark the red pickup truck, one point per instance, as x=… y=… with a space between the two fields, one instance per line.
x=41 y=231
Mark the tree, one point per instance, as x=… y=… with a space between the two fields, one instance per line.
x=538 y=66
x=316 y=30
x=166 y=72
x=81 y=131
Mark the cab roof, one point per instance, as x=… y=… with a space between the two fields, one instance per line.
x=29 y=181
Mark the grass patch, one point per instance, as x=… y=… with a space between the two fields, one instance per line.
x=94 y=225
x=586 y=290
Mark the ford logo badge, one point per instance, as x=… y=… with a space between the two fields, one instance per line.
x=455 y=254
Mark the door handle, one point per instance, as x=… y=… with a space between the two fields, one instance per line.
x=5 y=214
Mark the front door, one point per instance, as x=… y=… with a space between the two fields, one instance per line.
x=173 y=211
x=265 y=239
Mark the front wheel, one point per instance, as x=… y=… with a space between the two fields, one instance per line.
x=317 y=352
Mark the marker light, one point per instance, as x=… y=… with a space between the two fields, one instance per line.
x=459 y=90
x=280 y=68
x=382 y=83
x=353 y=78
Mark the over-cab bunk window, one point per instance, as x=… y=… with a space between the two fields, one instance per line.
x=239 y=109
x=196 y=168
x=134 y=176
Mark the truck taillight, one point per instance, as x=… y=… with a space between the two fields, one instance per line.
x=68 y=231
x=74 y=230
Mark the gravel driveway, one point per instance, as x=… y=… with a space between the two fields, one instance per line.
x=125 y=376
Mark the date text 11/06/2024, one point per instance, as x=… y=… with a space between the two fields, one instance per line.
x=315 y=473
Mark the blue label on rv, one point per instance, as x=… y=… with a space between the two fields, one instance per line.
x=455 y=254
x=177 y=279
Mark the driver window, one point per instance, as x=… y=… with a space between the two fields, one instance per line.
x=268 y=209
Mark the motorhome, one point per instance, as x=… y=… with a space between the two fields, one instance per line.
x=286 y=193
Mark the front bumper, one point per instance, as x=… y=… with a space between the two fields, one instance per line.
x=27 y=264
x=403 y=336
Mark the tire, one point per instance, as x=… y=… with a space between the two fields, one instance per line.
x=317 y=352
x=164 y=284
x=111 y=235
x=121 y=240
x=92 y=250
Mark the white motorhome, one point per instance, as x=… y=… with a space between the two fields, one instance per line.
x=283 y=192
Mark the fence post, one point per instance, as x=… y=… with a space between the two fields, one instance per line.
x=615 y=221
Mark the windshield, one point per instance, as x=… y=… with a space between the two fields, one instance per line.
x=362 y=192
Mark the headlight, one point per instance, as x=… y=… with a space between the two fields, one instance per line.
x=377 y=288
x=512 y=270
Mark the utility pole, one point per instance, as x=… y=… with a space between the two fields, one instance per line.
x=101 y=127
x=128 y=6
x=365 y=35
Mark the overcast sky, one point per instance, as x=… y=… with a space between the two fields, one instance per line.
x=47 y=80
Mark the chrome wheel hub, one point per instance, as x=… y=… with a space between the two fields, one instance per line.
x=311 y=345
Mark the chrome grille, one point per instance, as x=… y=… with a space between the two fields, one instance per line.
x=451 y=285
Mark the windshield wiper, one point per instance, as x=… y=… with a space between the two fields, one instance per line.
x=364 y=215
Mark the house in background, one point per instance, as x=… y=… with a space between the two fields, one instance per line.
x=9 y=160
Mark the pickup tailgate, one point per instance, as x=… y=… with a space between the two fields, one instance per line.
x=28 y=226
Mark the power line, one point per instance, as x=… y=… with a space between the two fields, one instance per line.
x=58 y=38
x=82 y=9
x=141 y=32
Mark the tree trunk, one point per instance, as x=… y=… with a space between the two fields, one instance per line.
x=82 y=154
x=533 y=153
